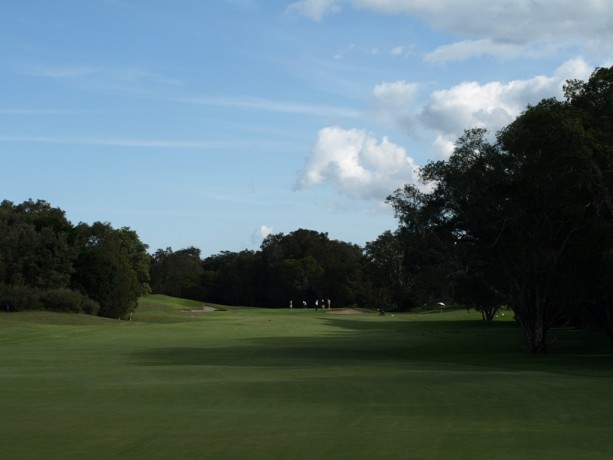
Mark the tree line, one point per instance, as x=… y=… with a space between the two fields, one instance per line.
x=302 y=266
x=519 y=219
x=47 y=263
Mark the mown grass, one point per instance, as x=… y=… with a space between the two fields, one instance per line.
x=279 y=384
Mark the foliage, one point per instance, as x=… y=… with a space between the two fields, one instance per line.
x=18 y=297
x=391 y=280
x=301 y=266
x=67 y=300
x=526 y=221
x=112 y=267
x=231 y=278
x=44 y=259
x=34 y=248
x=178 y=273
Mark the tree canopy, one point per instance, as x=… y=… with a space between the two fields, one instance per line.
x=303 y=265
x=46 y=262
x=526 y=220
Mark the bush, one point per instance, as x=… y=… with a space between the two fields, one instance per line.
x=20 y=298
x=89 y=306
x=62 y=299
x=67 y=300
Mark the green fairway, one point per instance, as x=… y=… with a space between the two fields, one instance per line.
x=247 y=383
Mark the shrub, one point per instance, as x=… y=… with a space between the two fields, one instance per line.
x=62 y=299
x=89 y=306
x=20 y=298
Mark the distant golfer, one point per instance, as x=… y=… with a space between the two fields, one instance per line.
x=291 y=304
x=381 y=312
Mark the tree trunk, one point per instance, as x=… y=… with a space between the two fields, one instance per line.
x=530 y=311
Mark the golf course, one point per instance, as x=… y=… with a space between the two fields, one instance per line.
x=184 y=381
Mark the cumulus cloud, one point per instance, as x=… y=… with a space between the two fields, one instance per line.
x=508 y=29
x=392 y=100
x=360 y=166
x=357 y=164
x=442 y=147
x=395 y=94
x=448 y=112
x=260 y=234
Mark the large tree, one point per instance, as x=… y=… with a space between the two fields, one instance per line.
x=112 y=267
x=308 y=265
x=527 y=220
x=34 y=248
x=303 y=265
x=178 y=273
x=231 y=278
x=390 y=278
x=439 y=227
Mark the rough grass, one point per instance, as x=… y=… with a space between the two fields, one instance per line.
x=280 y=384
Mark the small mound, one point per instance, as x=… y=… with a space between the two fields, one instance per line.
x=346 y=311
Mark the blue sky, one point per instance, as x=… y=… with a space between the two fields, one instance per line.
x=214 y=123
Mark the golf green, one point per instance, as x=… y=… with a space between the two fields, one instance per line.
x=183 y=382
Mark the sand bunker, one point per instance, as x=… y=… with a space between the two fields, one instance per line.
x=203 y=309
x=346 y=311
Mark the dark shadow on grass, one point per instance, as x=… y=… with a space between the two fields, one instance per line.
x=261 y=353
x=421 y=344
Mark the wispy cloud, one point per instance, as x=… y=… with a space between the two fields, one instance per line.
x=465 y=49
x=507 y=29
x=256 y=103
x=122 y=142
x=314 y=9
x=61 y=72
x=124 y=79
x=35 y=111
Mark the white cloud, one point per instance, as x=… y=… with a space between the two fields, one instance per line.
x=520 y=20
x=63 y=72
x=260 y=234
x=125 y=142
x=257 y=103
x=393 y=101
x=314 y=9
x=394 y=96
x=448 y=112
x=495 y=104
x=357 y=164
x=442 y=147
x=466 y=49
x=127 y=74
x=400 y=51
x=508 y=29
